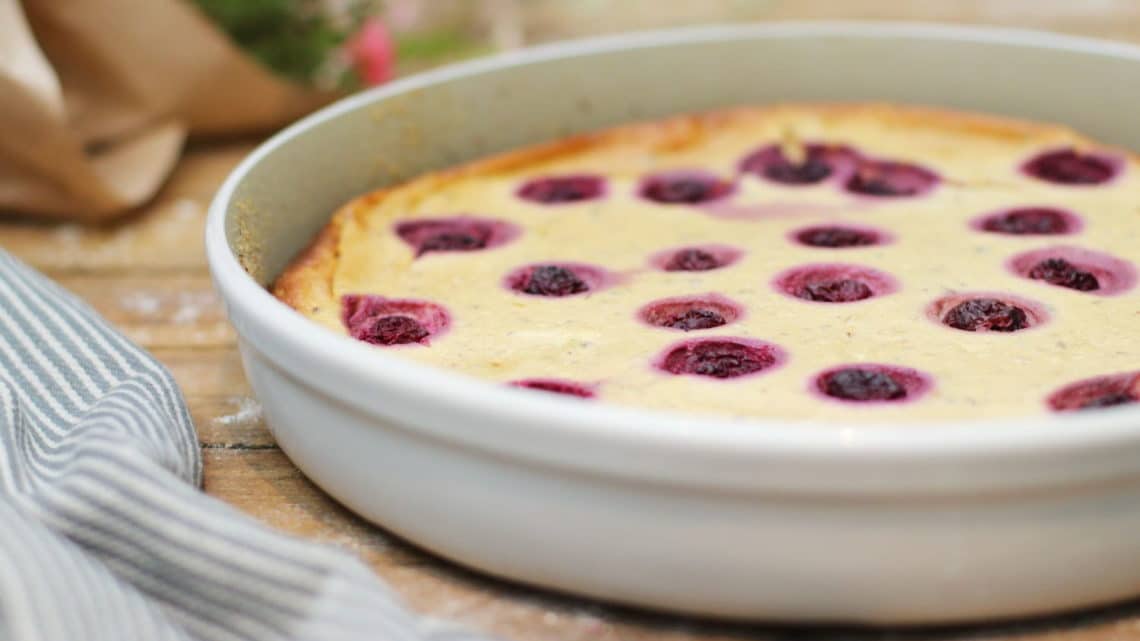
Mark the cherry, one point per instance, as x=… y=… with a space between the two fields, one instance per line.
x=986 y=314
x=691 y=260
x=1060 y=272
x=557 y=279
x=695 y=319
x=695 y=259
x=1075 y=268
x=686 y=189
x=383 y=321
x=843 y=290
x=859 y=384
x=819 y=162
x=393 y=330
x=1037 y=221
x=871 y=382
x=890 y=179
x=458 y=234
x=1095 y=393
x=691 y=313
x=562 y=189
x=719 y=358
x=1070 y=167
x=834 y=283
x=552 y=280
x=555 y=386
x=837 y=237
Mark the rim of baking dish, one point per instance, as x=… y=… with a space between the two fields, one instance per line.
x=731 y=451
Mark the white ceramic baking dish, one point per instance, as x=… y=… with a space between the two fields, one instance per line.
x=743 y=519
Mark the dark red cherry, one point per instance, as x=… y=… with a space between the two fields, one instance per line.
x=837 y=237
x=562 y=189
x=819 y=162
x=890 y=179
x=385 y=321
x=556 y=280
x=1029 y=221
x=1096 y=393
x=555 y=386
x=871 y=382
x=458 y=234
x=858 y=384
x=695 y=259
x=692 y=260
x=834 y=283
x=553 y=280
x=843 y=290
x=688 y=313
x=986 y=314
x=1060 y=272
x=719 y=358
x=684 y=188
x=1070 y=167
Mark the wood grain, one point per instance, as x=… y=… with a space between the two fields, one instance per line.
x=147 y=275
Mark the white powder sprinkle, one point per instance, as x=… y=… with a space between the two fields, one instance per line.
x=141 y=303
x=248 y=411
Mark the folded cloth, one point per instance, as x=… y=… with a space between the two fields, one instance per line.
x=103 y=532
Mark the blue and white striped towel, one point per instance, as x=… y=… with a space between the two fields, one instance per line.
x=103 y=532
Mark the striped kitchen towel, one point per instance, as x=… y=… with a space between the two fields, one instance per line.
x=103 y=532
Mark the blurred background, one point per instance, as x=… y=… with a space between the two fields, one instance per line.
x=428 y=32
x=101 y=96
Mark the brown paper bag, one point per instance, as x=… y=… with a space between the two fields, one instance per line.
x=98 y=96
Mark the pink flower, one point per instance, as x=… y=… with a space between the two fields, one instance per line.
x=372 y=52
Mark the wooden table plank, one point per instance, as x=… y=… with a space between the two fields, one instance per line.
x=157 y=311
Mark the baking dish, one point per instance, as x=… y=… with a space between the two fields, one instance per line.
x=748 y=519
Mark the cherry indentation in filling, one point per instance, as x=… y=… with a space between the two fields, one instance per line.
x=462 y=233
x=837 y=237
x=720 y=358
x=1060 y=272
x=1070 y=167
x=1075 y=268
x=684 y=188
x=1029 y=221
x=691 y=313
x=818 y=163
x=834 y=283
x=562 y=189
x=695 y=259
x=555 y=279
x=887 y=178
x=555 y=386
x=1095 y=393
x=384 y=321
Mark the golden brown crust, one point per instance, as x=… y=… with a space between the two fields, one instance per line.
x=313 y=267
x=307 y=281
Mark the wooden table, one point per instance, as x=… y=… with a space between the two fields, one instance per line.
x=147 y=275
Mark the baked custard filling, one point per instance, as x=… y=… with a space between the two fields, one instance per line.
x=846 y=262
